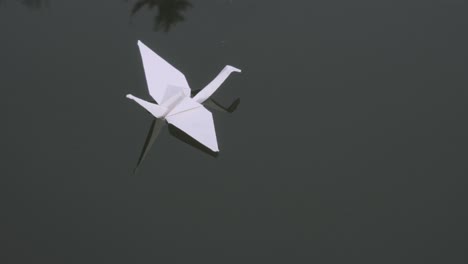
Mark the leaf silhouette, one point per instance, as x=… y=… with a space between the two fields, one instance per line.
x=169 y=11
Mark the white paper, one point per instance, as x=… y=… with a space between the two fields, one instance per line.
x=169 y=88
x=160 y=75
x=215 y=84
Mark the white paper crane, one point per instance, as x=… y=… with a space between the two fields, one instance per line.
x=170 y=90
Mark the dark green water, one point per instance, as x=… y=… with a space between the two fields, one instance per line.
x=349 y=144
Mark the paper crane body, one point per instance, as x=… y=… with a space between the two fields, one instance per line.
x=170 y=90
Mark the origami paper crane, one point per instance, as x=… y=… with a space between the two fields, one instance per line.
x=174 y=101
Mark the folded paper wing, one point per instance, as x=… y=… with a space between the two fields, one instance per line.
x=197 y=123
x=163 y=79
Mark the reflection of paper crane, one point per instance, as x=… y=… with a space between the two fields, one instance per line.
x=158 y=124
x=170 y=90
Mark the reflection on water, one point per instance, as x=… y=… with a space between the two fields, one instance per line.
x=157 y=125
x=169 y=11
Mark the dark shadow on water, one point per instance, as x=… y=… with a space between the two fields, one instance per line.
x=157 y=125
x=184 y=137
x=155 y=129
x=170 y=12
x=211 y=103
